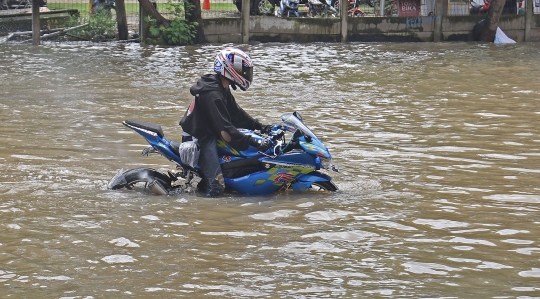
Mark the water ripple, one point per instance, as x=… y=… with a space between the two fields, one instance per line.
x=439 y=177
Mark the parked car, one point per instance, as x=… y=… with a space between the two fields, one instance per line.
x=259 y=7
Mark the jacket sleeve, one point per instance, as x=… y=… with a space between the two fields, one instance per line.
x=241 y=119
x=218 y=117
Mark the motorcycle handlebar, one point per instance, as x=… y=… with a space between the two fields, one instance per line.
x=277 y=134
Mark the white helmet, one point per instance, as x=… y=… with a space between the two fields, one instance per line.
x=235 y=65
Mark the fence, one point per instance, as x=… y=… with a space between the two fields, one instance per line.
x=372 y=8
x=363 y=8
x=95 y=20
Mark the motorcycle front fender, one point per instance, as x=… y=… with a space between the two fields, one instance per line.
x=304 y=182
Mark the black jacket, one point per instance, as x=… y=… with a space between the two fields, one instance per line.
x=214 y=110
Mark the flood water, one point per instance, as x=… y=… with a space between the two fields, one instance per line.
x=438 y=146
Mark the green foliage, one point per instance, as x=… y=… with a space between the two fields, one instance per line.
x=179 y=32
x=101 y=24
x=73 y=21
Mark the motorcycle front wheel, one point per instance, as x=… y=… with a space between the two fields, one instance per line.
x=323 y=186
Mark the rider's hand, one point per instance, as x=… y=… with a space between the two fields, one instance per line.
x=264 y=145
x=266 y=129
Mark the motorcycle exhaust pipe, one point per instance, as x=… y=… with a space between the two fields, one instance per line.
x=157 y=188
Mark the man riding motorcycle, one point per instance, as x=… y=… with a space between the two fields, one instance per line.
x=214 y=114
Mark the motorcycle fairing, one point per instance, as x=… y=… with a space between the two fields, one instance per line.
x=224 y=149
x=240 y=167
x=315 y=147
x=277 y=173
x=266 y=182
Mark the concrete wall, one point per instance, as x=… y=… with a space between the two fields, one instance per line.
x=23 y=21
x=223 y=30
x=366 y=29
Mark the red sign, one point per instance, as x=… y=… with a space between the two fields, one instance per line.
x=409 y=8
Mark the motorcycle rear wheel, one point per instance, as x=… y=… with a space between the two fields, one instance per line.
x=142 y=178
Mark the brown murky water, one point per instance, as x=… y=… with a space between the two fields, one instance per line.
x=438 y=146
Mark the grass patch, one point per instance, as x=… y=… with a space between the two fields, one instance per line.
x=134 y=7
x=83 y=7
x=222 y=6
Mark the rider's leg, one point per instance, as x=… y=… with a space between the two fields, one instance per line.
x=209 y=163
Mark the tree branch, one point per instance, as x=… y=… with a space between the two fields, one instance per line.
x=149 y=8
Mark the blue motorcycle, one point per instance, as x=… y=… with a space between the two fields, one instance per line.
x=293 y=164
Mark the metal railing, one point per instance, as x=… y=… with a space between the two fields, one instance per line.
x=95 y=20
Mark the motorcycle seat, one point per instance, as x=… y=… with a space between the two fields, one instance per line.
x=145 y=125
x=175 y=147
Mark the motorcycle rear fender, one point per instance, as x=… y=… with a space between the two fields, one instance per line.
x=163 y=146
x=305 y=181
x=155 y=138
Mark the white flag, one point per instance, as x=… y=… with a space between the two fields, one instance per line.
x=501 y=38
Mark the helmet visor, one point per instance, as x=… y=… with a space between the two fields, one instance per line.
x=247 y=73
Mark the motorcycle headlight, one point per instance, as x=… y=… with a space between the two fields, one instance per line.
x=328 y=165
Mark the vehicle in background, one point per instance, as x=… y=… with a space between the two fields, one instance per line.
x=259 y=7
x=480 y=7
x=98 y=6
x=321 y=8
x=288 y=8
x=352 y=7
